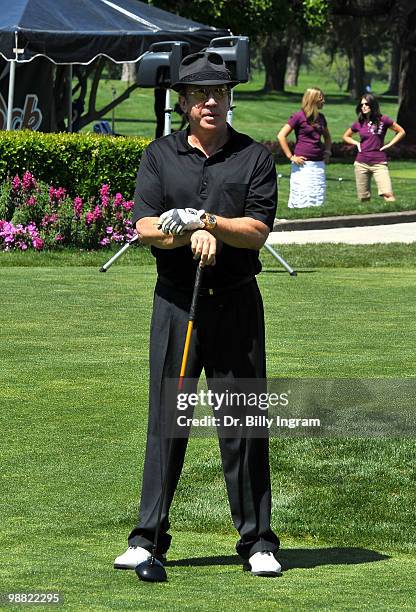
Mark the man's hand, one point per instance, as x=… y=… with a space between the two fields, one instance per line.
x=204 y=247
x=179 y=220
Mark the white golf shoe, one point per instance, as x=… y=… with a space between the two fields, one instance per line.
x=133 y=556
x=264 y=564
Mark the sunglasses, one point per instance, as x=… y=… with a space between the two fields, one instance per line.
x=202 y=94
x=365 y=104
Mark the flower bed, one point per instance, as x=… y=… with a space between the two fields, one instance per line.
x=34 y=215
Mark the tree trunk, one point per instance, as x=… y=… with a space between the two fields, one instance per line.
x=350 y=85
x=357 y=56
x=128 y=73
x=274 y=56
x=393 y=88
x=406 y=116
x=294 y=60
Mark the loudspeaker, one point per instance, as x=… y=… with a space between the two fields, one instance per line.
x=159 y=66
x=234 y=51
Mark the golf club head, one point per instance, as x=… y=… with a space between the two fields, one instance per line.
x=151 y=570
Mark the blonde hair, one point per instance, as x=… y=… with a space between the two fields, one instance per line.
x=310 y=101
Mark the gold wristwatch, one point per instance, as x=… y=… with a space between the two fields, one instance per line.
x=209 y=220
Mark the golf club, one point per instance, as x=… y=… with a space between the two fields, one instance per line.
x=124 y=248
x=152 y=570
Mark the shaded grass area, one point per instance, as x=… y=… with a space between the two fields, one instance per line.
x=74 y=392
x=304 y=256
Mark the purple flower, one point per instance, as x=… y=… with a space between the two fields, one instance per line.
x=16 y=183
x=104 y=241
x=109 y=229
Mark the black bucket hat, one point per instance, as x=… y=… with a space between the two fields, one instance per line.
x=203 y=68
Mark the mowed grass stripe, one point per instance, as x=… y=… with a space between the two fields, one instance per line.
x=74 y=392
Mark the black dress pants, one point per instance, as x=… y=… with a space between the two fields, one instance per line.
x=228 y=342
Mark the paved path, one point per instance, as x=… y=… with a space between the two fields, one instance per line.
x=374 y=234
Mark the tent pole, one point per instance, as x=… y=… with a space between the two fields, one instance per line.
x=70 y=98
x=167 y=128
x=12 y=75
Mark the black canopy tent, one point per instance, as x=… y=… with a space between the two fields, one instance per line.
x=79 y=31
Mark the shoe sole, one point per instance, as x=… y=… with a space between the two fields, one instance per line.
x=130 y=567
x=267 y=574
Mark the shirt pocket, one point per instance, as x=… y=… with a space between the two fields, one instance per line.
x=232 y=200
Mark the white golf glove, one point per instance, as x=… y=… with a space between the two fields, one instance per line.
x=179 y=220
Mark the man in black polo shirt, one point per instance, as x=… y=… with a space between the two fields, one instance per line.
x=206 y=194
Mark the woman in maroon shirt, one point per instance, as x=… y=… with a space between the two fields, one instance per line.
x=307 y=177
x=371 y=159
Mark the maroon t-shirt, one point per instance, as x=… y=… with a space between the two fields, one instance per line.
x=308 y=137
x=372 y=139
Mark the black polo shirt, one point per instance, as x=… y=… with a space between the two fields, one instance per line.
x=239 y=180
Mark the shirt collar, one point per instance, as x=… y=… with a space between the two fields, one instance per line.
x=183 y=145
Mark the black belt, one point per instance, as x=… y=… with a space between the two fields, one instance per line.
x=207 y=290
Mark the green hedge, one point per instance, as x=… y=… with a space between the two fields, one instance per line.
x=81 y=163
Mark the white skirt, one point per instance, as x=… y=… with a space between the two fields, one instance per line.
x=307 y=185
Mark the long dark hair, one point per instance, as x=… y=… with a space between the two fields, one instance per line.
x=375 y=114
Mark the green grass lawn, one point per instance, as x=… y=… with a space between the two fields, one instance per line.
x=341 y=196
x=74 y=381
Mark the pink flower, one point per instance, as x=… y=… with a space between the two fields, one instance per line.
x=128 y=205
x=37 y=243
x=58 y=238
x=118 y=200
x=78 y=205
x=97 y=213
x=28 y=181
x=89 y=218
x=104 y=241
x=31 y=201
x=109 y=229
x=56 y=194
x=105 y=190
x=16 y=183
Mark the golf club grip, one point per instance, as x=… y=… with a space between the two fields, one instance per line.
x=197 y=285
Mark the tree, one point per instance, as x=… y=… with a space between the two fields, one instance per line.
x=402 y=17
x=271 y=24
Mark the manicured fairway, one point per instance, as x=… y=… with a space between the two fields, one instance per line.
x=74 y=380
